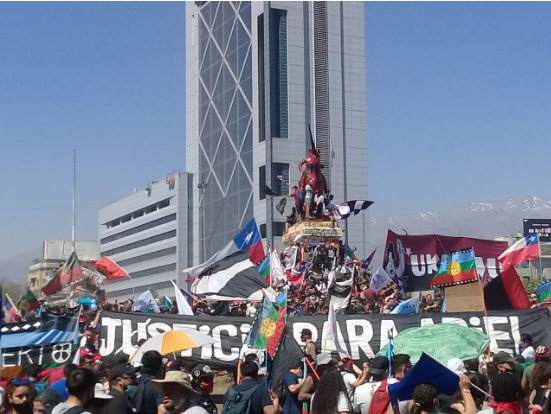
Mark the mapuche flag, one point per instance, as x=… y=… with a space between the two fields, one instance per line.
x=457 y=268
x=267 y=328
x=69 y=273
x=28 y=301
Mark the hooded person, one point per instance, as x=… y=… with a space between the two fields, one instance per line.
x=177 y=393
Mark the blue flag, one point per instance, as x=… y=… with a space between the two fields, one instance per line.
x=428 y=370
x=389 y=355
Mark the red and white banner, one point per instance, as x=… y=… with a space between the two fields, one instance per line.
x=413 y=260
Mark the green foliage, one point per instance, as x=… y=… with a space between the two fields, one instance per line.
x=530 y=286
x=14 y=291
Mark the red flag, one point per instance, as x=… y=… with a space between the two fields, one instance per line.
x=506 y=292
x=109 y=268
x=69 y=273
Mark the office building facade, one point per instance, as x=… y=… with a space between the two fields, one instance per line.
x=148 y=234
x=258 y=74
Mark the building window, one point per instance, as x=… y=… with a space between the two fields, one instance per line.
x=138 y=229
x=279 y=121
x=261 y=80
x=140 y=243
x=262 y=182
x=278 y=229
x=171 y=186
x=280 y=170
x=138 y=213
x=263 y=231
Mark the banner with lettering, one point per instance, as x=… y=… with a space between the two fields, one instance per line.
x=413 y=260
x=361 y=335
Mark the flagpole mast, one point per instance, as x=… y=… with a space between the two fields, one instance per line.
x=74 y=196
x=541 y=267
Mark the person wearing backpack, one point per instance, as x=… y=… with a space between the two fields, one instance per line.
x=146 y=399
x=81 y=385
x=373 y=392
x=250 y=397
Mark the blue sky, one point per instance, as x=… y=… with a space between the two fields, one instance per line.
x=459 y=97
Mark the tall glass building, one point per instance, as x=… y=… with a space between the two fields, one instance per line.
x=258 y=74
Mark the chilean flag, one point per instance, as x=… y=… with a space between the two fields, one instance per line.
x=249 y=239
x=527 y=248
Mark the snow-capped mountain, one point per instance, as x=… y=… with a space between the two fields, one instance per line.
x=483 y=220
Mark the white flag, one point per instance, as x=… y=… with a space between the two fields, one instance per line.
x=408 y=306
x=146 y=303
x=181 y=302
x=332 y=333
x=380 y=280
x=277 y=274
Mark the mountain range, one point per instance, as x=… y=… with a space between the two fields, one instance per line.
x=484 y=220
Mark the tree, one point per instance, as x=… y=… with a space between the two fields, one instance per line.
x=530 y=286
x=14 y=291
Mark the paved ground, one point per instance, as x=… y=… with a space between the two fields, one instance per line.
x=222 y=381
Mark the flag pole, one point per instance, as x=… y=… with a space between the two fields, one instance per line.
x=541 y=267
x=74 y=196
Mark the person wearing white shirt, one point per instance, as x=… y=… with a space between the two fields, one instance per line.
x=527 y=348
x=364 y=393
x=251 y=310
x=245 y=350
x=351 y=380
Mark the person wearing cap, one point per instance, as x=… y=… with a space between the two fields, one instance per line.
x=542 y=355
x=310 y=348
x=177 y=393
x=120 y=378
x=506 y=363
x=203 y=383
x=101 y=399
x=152 y=368
x=324 y=363
x=261 y=400
x=378 y=371
x=81 y=385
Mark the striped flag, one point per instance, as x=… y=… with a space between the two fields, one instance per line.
x=168 y=302
x=264 y=269
x=68 y=274
x=367 y=262
x=188 y=296
x=351 y=208
x=233 y=277
x=11 y=310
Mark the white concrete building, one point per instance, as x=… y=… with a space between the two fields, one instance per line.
x=257 y=74
x=147 y=234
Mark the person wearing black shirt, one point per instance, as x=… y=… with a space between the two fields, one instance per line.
x=203 y=382
x=120 y=378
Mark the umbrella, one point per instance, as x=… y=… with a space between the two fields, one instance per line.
x=443 y=342
x=172 y=341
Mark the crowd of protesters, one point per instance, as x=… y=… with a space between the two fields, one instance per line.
x=493 y=384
